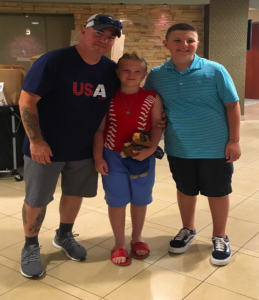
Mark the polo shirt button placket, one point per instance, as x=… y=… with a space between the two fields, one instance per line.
x=180 y=78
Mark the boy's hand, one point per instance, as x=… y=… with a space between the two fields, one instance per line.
x=144 y=153
x=163 y=122
x=101 y=166
x=233 y=151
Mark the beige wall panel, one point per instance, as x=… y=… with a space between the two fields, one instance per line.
x=227 y=39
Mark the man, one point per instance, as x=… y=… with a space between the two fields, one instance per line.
x=63 y=101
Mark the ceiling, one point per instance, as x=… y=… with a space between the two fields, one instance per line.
x=252 y=3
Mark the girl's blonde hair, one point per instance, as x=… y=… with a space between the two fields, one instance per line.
x=133 y=55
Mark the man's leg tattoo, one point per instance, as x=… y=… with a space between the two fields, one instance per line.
x=24 y=215
x=35 y=227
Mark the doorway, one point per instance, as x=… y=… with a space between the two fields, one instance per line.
x=25 y=35
x=252 y=66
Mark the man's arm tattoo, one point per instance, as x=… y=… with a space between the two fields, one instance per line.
x=35 y=227
x=24 y=215
x=31 y=123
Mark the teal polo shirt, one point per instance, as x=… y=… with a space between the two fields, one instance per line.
x=194 y=103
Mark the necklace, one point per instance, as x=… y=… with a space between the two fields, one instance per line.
x=128 y=108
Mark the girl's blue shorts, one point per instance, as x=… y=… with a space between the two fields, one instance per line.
x=120 y=189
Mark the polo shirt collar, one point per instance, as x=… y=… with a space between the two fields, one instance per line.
x=196 y=64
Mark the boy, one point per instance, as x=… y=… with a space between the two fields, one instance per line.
x=202 y=134
x=132 y=109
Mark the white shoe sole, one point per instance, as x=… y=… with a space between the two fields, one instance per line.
x=29 y=276
x=219 y=262
x=179 y=250
x=59 y=247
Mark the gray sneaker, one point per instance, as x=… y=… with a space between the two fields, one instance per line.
x=72 y=248
x=30 y=261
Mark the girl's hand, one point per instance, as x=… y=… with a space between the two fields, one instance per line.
x=101 y=166
x=144 y=153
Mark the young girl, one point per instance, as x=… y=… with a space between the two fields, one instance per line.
x=132 y=109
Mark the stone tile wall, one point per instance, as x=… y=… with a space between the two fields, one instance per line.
x=145 y=34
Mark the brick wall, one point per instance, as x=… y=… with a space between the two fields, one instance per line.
x=145 y=34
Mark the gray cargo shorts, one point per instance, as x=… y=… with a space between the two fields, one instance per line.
x=78 y=178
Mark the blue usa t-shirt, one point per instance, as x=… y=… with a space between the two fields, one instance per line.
x=75 y=97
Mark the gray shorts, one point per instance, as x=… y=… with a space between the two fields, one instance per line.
x=79 y=178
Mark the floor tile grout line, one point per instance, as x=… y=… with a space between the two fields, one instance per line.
x=231 y=291
x=243 y=220
x=250 y=240
x=14 y=288
x=58 y=289
x=193 y=290
x=153 y=264
x=247 y=254
x=10 y=246
x=45 y=271
x=11 y=268
x=159 y=211
x=174 y=270
x=13 y=190
x=201 y=282
x=19 y=189
x=243 y=248
x=9 y=258
x=166 y=200
x=128 y=280
x=148 y=225
x=162 y=225
x=70 y=285
x=254 y=193
x=238 y=204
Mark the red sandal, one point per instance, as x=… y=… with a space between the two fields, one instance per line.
x=120 y=252
x=139 y=246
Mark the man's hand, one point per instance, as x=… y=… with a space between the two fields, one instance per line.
x=101 y=166
x=40 y=151
x=144 y=153
x=163 y=122
x=233 y=151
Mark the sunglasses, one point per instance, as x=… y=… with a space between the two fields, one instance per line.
x=108 y=21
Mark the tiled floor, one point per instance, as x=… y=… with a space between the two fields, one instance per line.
x=161 y=276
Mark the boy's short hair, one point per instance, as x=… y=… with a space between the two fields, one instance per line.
x=133 y=55
x=180 y=26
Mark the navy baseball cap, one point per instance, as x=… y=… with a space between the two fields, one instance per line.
x=99 y=22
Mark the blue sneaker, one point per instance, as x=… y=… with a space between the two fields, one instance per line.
x=221 y=254
x=180 y=243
